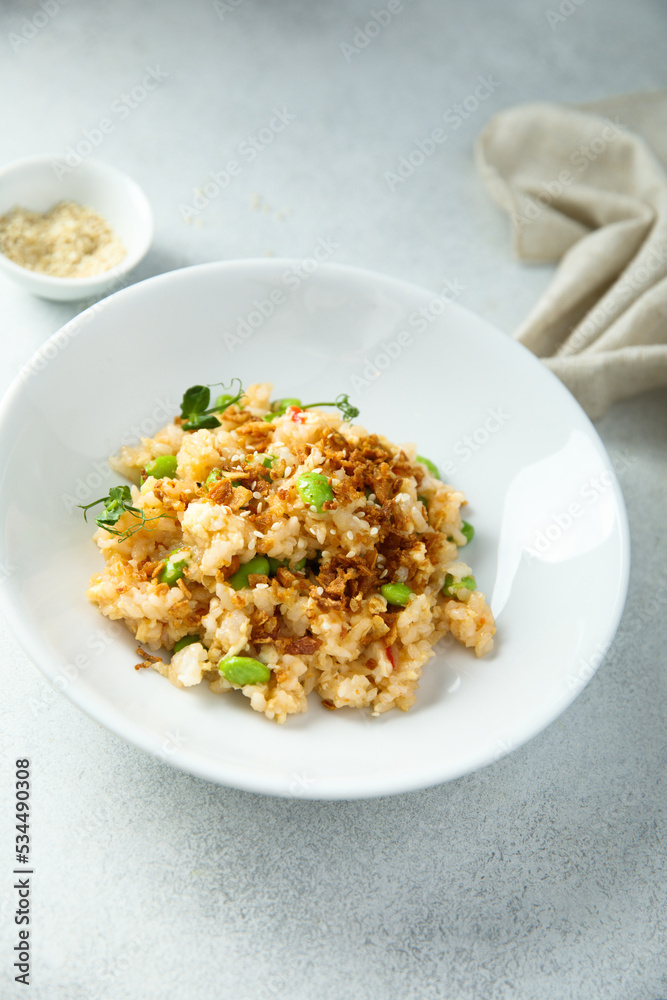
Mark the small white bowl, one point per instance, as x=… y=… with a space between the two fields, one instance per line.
x=39 y=182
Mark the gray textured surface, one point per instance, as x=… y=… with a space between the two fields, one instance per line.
x=541 y=877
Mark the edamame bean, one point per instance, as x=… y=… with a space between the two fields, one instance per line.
x=173 y=569
x=213 y=477
x=222 y=402
x=258 y=564
x=244 y=670
x=314 y=489
x=468 y=530
x=431 y=466
x=162 y=466
x=187 y=640
x=275 y=563
x=396 y=593
x=452 y=585
x=279 y=406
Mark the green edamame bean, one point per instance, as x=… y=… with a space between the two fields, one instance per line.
x=187 y=640
x=162 y=466
x=396 y=593
x=279 y=406
x=431 y=466
x=213 y=477
x=275 y=563
x=468 y=530
x=222 y=402
x=258 y=564
x=244 y=670
x=314 y=489
x=172 y=570
x=452 y=585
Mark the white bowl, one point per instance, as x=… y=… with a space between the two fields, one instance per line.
x=39 y=182
x=551 y=545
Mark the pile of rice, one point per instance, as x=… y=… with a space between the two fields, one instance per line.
x=326 y=627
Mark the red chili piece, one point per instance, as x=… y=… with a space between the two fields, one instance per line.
x=297 y=415
x=391 y=657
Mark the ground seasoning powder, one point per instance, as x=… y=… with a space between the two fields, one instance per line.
x=68 y=241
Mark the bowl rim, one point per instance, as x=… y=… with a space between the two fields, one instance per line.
x=191 y=762
x=146 y=229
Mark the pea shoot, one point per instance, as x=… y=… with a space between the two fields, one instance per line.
x=117 y=503
x=342 y=402
x=195 y=410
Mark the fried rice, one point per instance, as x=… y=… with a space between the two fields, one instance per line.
x=318 y=619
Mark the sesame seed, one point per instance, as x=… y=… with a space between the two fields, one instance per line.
x=320 y=591
x=383 y=573
x=257 y=496
x=276 y=524
x=314 y=508
x=259 y=507
x=350 y=535
x=261 y=586
x=258 y=534
x=288 y=471
x=374 y=531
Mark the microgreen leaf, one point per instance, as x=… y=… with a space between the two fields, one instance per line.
x=195 y=400
x=195 y=410
x=117 y=503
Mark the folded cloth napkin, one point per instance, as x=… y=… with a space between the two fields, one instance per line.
x=586 y=185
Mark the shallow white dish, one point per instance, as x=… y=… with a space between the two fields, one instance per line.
x=544 y=500
x=40 y=182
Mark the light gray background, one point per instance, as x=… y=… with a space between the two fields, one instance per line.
x=542 y=877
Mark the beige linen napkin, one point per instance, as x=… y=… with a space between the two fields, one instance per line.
x=585 y=185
